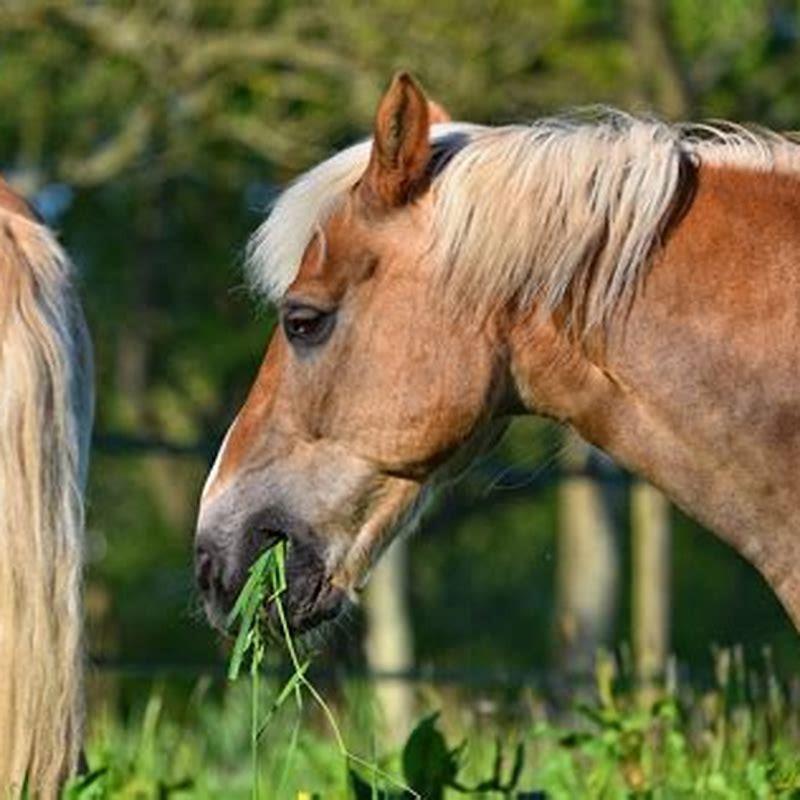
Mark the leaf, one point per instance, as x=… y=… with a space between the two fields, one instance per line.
x=255 y=576
x=243 y=641
x=85 y=782
x=428 y=765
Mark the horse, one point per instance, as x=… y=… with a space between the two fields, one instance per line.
x=46 y=405
x=635 y=280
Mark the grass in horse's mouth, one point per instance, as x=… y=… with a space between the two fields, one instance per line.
x=263 y=591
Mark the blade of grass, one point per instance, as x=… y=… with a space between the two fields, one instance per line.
x=255 y=669
x=290 y=753
x=245 y=610
x=329 y=715
x=289 y=687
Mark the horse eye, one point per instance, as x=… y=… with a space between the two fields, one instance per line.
x=305 y=325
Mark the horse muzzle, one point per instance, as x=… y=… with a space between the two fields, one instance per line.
x=227 y=544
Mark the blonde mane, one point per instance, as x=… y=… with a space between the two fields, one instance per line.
x=569 y=204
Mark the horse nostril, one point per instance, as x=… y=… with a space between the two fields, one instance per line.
x=205 y=570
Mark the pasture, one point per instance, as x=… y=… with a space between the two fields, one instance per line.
x=734 y=735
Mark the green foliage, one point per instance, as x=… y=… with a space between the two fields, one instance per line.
x=714 y=742
x=429 y=766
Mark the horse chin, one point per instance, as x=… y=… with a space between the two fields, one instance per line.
x=216 y=616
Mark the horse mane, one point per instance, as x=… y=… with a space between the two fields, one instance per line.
x=45 y=417
x=569 y=206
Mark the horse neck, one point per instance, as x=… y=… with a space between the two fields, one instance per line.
x=696 y=387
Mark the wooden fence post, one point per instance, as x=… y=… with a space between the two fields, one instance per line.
x=588 y=565
x=650 y=532
x=389 y=639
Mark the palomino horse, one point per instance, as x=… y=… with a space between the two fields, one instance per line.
x=637 y=281
x=45 y=419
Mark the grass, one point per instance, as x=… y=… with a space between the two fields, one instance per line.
x=736 y=738
x=263 y=739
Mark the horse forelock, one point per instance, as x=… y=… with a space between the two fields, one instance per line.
x=571 y=205
x=276 y=248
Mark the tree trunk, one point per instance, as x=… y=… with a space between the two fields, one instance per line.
x=389 y=640
x=588 y=564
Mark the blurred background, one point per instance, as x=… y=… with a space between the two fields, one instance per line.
x=152 y=135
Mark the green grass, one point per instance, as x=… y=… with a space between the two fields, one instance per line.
x=738 y=738
x=261 y=738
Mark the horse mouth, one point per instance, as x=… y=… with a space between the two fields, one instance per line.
x=310 y=598
x=304 y=605
x=309 y=610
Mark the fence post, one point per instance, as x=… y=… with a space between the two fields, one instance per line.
x=389 y=638
x=650 y=532
x=587 y=566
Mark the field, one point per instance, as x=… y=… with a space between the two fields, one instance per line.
x=737 y=736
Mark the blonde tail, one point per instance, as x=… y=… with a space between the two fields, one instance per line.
x=45 y=420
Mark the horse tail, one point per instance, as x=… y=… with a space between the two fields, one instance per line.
x=45 y=419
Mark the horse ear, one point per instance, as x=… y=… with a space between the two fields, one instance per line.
x=438 y=113
x=397 y=168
